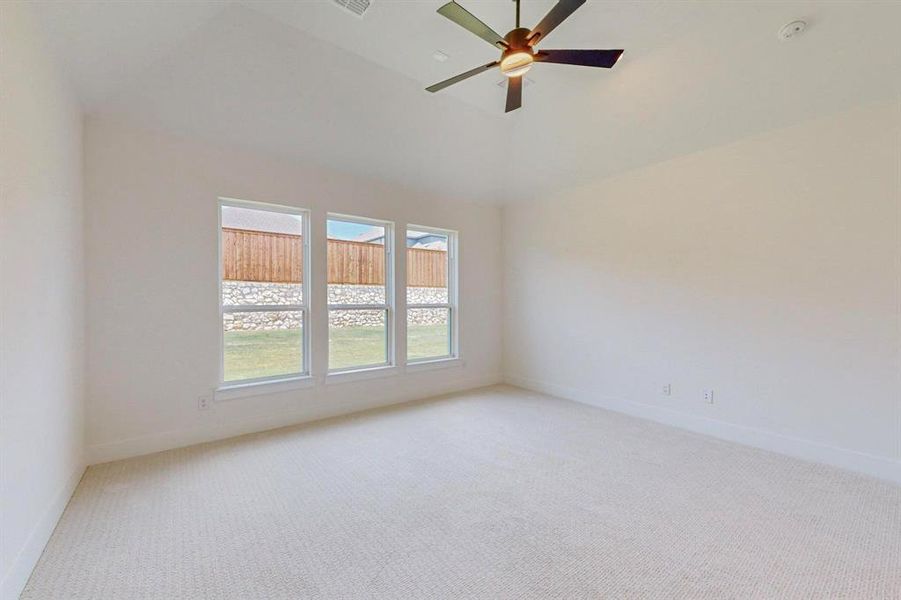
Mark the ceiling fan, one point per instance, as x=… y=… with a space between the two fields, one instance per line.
x=518 y=47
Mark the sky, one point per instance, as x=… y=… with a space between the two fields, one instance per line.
x=264 y=220
x=343 y=230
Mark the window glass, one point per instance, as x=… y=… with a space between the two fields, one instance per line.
x=263 y=300
x=357 y=338
x=430 y=294
x=358 y=298
x=428 y=333
x=262 y=344
x=262 y=257
x=426 y=268
x=356 y=263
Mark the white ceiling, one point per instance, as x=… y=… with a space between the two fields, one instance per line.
x=307 y=80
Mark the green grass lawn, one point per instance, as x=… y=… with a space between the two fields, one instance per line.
x=427 y=341
x=251 y=354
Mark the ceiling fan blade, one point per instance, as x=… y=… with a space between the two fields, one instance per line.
x=467 y=20
x=514 y=93
x=458 y=78
x=587 y=58
x=554 y=17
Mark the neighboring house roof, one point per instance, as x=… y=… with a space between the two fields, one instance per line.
x=376 y=235
x=415 y=239
x=236 y=217
x=421 y=239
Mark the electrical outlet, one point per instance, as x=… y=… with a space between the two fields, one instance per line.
x=667 y=389
x=708 y=396
x=203 y=402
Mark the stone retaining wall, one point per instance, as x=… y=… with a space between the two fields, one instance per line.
x=236 y=293
x=261 y=321
x=253 y=292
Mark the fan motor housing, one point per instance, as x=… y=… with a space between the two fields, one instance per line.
x=518 y=39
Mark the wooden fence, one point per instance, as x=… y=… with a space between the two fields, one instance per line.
x=426 y=268
x=278 y=258
x=259 y=256
x=357 y=263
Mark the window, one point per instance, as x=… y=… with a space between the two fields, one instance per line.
x=264 y=252
x=360 y=293
x=431 y=294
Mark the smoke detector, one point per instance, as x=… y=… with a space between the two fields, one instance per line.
x=356 y=7
x=792 y=29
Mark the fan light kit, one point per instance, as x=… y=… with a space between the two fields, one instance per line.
x=516 y=64
x=518 y=52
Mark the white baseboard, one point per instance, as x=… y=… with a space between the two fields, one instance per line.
x=159 y=442
x=17 y=575
x=852 y=460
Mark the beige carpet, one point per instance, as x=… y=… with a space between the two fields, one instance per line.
x=498 y=493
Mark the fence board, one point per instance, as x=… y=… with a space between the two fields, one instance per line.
x=278 y=258
x=357 y=263
x=426 y=268
x=261 y=256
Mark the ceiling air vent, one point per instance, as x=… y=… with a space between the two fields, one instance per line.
x=357 y=7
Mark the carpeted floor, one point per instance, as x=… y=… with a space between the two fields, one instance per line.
x=498 y=493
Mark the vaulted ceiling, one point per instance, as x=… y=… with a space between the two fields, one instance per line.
x=310 y=81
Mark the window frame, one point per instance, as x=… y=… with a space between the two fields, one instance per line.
x=303 y=308
x=389 y=306
x=452 y=304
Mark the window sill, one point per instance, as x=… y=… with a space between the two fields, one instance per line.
x=436 y=363
x=234 y=391
x=360 y=374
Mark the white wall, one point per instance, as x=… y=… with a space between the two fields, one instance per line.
x=768 y=270
x=151 y=224
x=41 y=297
